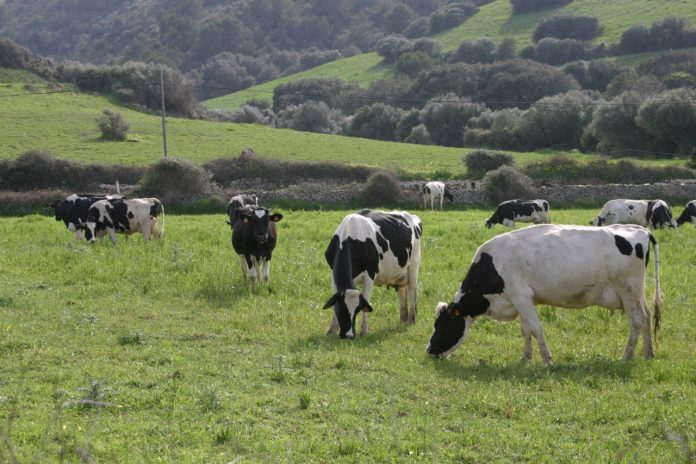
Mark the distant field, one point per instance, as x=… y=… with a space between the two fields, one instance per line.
x=494 y=20
x=156 y=353
x=66 y=125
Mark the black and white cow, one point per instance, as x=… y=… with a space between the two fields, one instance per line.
x=254 y=238
x=647 y=213
x=73 y=211
x=125 y=216
x=373 y=248
x=559 y=265
x=511 y=211
x=435 y=192
x=689 y=214
x=239 y=201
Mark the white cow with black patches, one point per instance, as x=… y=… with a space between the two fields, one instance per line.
x=647 y=213
x=373 y=248
x=566 y=266
x=511 y=211
x=689 y=214
x=436 y=192
x=124 y=216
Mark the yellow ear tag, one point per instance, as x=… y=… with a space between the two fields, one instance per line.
x=455 y=312
x=246 y=220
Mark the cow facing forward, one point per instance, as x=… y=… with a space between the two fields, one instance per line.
x=74 y=209
x=647 y=213
x=372 y=248
x=511 y=211
x=566 y=266
x=435 y=192
x=111 y=216
x=254 y=238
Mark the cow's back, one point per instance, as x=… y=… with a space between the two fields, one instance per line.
x=572 y=266
x=623 y=211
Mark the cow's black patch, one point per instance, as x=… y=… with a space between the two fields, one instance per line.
x=131 y=215
x=394 y=234
x=350 y=258
x=75 y=211
x=482 y=279
x=660 y=216
x=118 y=215
x=623 y=245
x=639 y=251
x=688 y=213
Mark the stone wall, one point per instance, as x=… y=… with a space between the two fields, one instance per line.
x=336 y=191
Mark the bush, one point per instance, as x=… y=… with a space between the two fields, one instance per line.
x=175 y=180
x=297 y=92
x=507 y=183
x=669 y=33
x=381 y=189
x=451 y=15
x=495 y=129
x=479 y=162
x=482 y=50
x=594 y=74
x=251 y=115
x=567 y=26
x=669 y=120
x=377 y=121
x=392 y=47
x=420 y=27
x=112 y=126
x=559 y=51
x=412 y=63
x=445 y=118
x=311 y=116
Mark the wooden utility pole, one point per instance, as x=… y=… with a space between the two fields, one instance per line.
x=164 y=121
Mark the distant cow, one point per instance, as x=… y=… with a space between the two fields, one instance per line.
x=73 y=210
x=125 y=217
x=566 y=266
x=511 y=211
x=239 y=201
x=689 y=214
x=647 y=213
x=435 y=192
x=254 y=238
x=373 y=248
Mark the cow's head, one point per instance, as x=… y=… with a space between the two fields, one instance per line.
x=447 y=194
x=450 y=329
x=260 y=219
x=347 y=304
x=597 y=221
x=61 y=209
x=93 y=225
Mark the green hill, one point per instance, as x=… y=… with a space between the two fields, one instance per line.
x=33 y=116
x=494 y=20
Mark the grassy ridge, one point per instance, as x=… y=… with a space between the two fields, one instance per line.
x=188 y=366
x=66 y=125
x=494 y=20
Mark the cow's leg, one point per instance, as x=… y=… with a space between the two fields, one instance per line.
x=244 y=263
x=112 y=234
x=527 y=334
x=333 y=325
x=254 y=271
x=442 y=199
x=266 y=270
x=638 y=322
x=368 y=285
x=402 y=292
x=530 y=319
x=146 y=232
x=647 y=335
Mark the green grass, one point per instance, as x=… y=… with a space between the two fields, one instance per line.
x=156 y=353
x=494 y=20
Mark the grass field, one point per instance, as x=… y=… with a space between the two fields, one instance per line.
x=156 y=353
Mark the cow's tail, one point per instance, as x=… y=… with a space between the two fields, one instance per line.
x=658 y=294
x=159 y=212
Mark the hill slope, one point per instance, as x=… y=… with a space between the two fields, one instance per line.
x=494 y=20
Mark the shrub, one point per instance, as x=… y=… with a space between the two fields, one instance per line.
x=567 y=26
x=251 y=115
x=377 y=121
x=381 y=189
x=669 y=33
x=174 y=180
x=594 y=74
x=479 y=162
x=418 y=28
x=507 y=183
x=311 y=116
x=614 y=125
x=669 y=120
x=559 y=51
x=318 y=89
x=482 y=50
x=412 y=63
x=451 y=15
x=495 y=129
x=392 y=47
x=112 y=126
x=445 y=118
x=419 y=135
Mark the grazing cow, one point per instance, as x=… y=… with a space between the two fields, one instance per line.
x=73 y=211
x=647 y=213
x=373 y=248
x=239 y=201
x=689 y=214
x=566 y=266
x=511 y=211
x=254 y=237
x=435 y=191
x=125 y=217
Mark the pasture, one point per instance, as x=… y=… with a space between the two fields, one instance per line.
x=156 y=353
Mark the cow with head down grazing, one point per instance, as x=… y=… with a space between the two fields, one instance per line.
x=509 y=212
x=435 y=192
x=566 y=266
x=688 y=215
x=647 y=213
x=74 y=209
x=254 y=238
x=372 y=248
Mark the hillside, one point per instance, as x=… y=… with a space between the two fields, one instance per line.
x=496 y=21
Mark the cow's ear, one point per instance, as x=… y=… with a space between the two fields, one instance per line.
x=275 y=217
x=332 y=300
x=441 y=306
x=246 y=219
x=364 y=304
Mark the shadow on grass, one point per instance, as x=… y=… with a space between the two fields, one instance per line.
x=325 y=341
x=224 y=296
x=534 y=371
